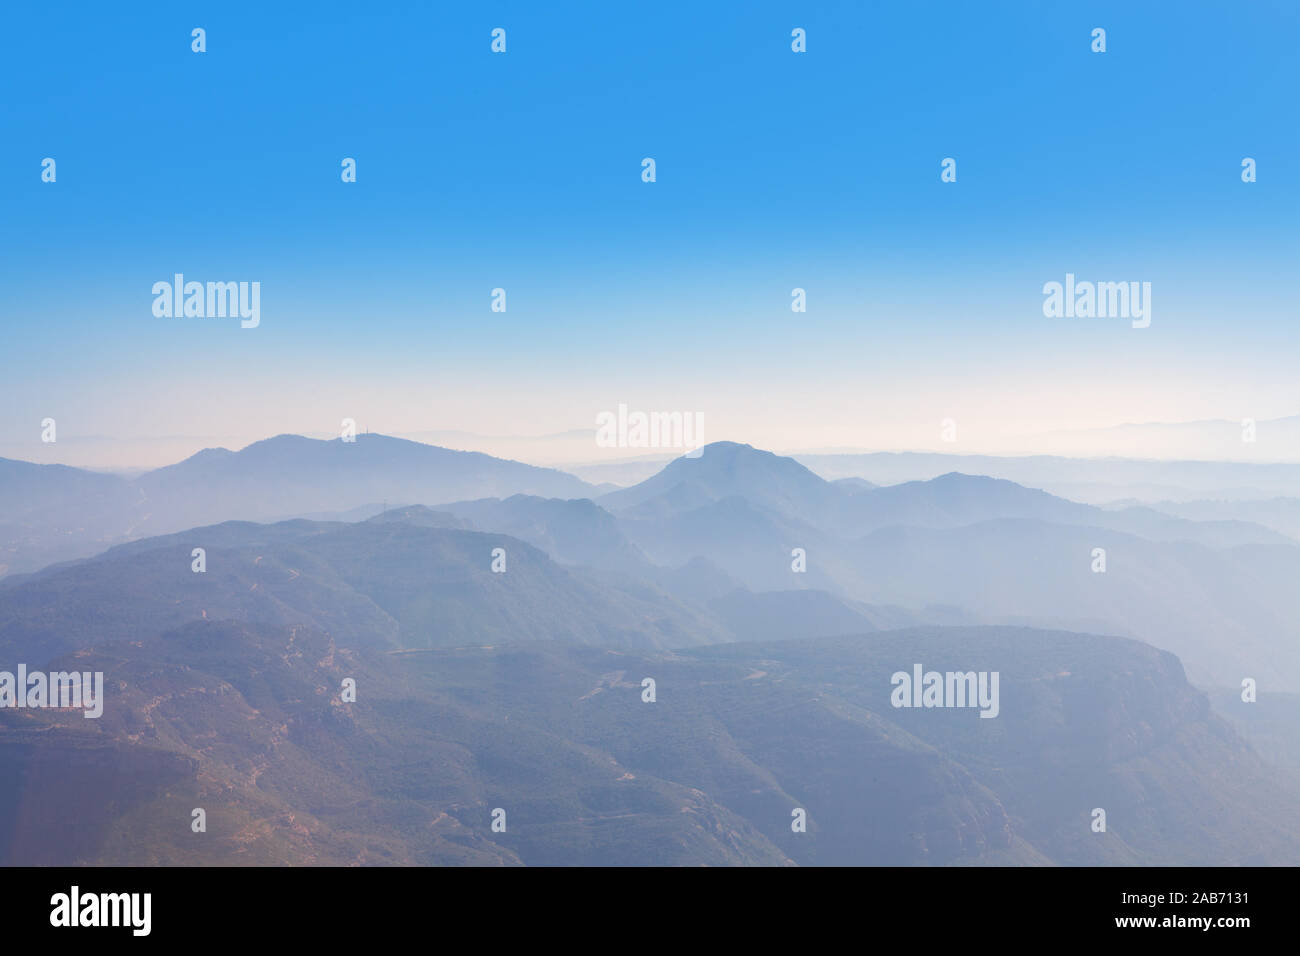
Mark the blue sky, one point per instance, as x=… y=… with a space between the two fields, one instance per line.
x=775 y=170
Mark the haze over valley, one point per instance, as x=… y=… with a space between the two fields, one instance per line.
x=498 y=621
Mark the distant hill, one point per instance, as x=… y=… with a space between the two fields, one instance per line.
x=723 y=470
x=954 y=499
x=1094 y=480
x=1212 y=591
x=290 y=475
x=1280 y=514
x=51 y=513
x=849 y=507
x=391 y=582
x=573 y=532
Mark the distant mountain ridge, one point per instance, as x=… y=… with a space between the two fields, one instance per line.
x=50 y=513
x=1093 y=480
x=396 y=581
x=1212 y=592
x=291 y=474
x=501 y=646
x=783 y=486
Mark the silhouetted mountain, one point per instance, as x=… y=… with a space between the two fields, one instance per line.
x=420 y=516
x=50 y=513
x=31 y=489
x=53 y=513
x=750 y=543
x=1213 y=592
x=698 y=580
x=290 y=475
x=572 y=532
x=1280 y=514
x=499 y=646
x=842 y=508
x=953 y=500
x=1093 y=480
x=726 y=470
x=392 y=582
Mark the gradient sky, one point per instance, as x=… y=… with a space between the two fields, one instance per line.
x=522 y=170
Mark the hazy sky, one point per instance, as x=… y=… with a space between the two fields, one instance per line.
x=522 y=170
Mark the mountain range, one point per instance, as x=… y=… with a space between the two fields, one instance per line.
x=499 y=621
x=51 y=512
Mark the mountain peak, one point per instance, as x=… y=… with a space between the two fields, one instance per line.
x=729 y=448
x=725 y=469
x=420 y=516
